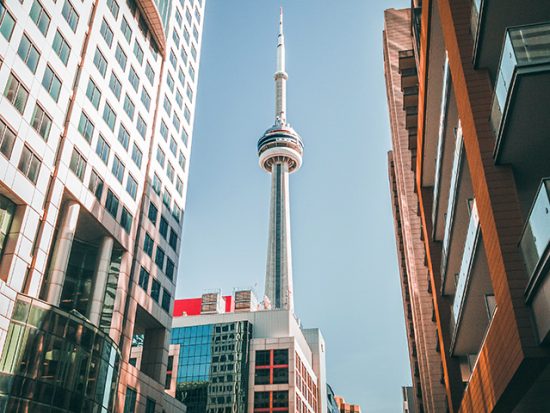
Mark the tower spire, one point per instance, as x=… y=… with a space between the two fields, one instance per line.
x=280 y=76
x=280 y=150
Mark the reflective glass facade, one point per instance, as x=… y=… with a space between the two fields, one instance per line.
x=212 y=374
x=53 y=361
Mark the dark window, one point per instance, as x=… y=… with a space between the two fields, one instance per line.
x=126 y=220
x=131 y=186
x=262 y=357
x=159 y=258
x=173 y=240
x=77 y=164
x=155 y=290
x=102 y=149
x=170 y=268
x=51 y=83
x=152 y=214
x=111 y=203
x=7 y=22
x=96 y=185
x=130 y=401
x=41 y=122
x=280 y=399
x=28 y=52
x=143 y=281
x=261 y=376
x=148 y=245
x=163 y=227
x=29 y=164
x=280 y=375
x=280 y=357
x=261 y=399
x=166 y=298
x=150 y=405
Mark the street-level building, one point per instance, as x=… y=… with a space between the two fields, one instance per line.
x=97 y=104
x=468 y=87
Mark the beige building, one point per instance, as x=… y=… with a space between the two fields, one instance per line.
x=97 y=104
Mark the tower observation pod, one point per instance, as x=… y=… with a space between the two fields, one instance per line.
x=280 y=151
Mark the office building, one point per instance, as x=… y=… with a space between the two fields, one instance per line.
x=97 y=105
x=408 y=399
x=467 y=85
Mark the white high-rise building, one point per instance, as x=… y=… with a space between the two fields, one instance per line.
x=97 y=102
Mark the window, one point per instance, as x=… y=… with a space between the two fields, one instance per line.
x=77 y=164
x=129 y=107
x=176 y=122
x=93 y=93
x=7 y=22
x=261 y=376
x=148 y=245
x=197 y=15
x=126 y=220
x=70 y=15
x=173 y=59
x=178 y=17
x=181 y=77
x=179 y=99
x=113 y=7
x=261 y=399
x=192 y=72
x=155 y=290
x=156 y=184
x=130 y=400
x=7 y=138
x=118 y=169
x=109 y=116
x=132 y=5
x=120 y=57
x=166 y=298
x=170 y=268
x=173 y=242
x=96 y=185
x=16 y=93
x=187 y=114
x=106 y=33
x=163 y=130
x=280 y=375
x=115 y=85
x=141 y=126
x=100 y=62
x=133 y=78
x=103 y=149
x=136 y=155
x=145 y=99
x=40 y=17
x=123 y=136
x=189 y=93
x=41 y=122
x=181 y=161
x=29 y=164
x=280 y=399
x=167 y=105
x=183 y=55
x=131 y=186
x=161 y=157
x=150 y=406
x=194 y=52
x=126 y=31
x=177 y=212
x=170 y=172
x=263 y=357
x=170 y=81
x=195 y=33
x=51 y=83
x=166 y=199
x=111 y=203
x=152 y=213
x=138 y=52
x=179 y=186
x=86 y=127
x=186 y=36
x=280 y=356
x=184 y=136
x=149 y=73
x=159 y=258
x=163 y=227
x=188 y=16
x=143 y=280
x=28 y=53
x=173 y=146
x=61 y=47
x=175 y=37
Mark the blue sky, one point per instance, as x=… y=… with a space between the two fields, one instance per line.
x=345 y=267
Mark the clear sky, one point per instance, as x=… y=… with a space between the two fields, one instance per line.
x=346 y=279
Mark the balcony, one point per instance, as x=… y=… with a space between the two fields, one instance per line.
x=535 y=248
x=473 y=304
x=488 y=23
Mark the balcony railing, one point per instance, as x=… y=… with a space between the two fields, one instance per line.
x=453 y=191
x=441 y=138
x=535 y=240
x=466 y=264
x=524 y=46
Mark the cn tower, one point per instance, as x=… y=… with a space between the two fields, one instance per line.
x=280 y=150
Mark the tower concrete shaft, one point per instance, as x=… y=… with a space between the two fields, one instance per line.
x=278 y=285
